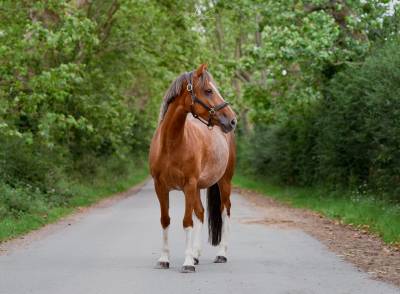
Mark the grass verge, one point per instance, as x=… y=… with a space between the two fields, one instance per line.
x=85 y=193
x=381 y=217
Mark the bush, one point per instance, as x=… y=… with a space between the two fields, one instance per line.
x=74 y=102
x=348 y=138
x=15 y=201
x=360 y=121
x=31 y=164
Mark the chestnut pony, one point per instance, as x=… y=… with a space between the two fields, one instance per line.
x=193 y=148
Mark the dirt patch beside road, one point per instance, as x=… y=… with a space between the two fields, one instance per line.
x=365 y=250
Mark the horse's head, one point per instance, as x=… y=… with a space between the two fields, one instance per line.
x=206 y=102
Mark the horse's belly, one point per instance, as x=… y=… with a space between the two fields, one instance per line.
x=216 y=164
x=207 y=179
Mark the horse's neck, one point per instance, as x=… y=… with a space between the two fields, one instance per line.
x=173 y=126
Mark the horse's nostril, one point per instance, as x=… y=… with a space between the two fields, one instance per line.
x=233 y=122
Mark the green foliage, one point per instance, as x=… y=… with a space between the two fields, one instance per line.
x=286 y=49
x=360 y=119
x=85 y=78
x=348 y=138
x=80 y=87
x=81 y=83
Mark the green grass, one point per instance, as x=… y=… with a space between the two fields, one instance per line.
x=381 y=217
x=84 y=193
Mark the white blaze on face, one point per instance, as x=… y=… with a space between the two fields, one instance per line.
x=216 y=90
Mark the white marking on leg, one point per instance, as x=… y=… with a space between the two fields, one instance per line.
x=188 y=248
x=223 y=246
x=165 y=248
x=197 y=230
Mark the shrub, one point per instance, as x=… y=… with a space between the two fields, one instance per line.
x=349 y=138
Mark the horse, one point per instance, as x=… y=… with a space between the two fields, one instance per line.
x=193 y=148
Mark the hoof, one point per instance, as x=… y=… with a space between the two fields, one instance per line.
x=188 y=269
x=196 y=261
x=220 y=259
x=162 y=265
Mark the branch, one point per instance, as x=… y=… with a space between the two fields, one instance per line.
x=338 y=15
x=105 y=29
x=243 y=76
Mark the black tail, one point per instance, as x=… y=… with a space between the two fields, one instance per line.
x=214 y=215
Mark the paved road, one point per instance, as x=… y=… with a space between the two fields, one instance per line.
x=114 y=249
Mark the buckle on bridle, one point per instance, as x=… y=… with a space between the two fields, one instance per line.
x=211 y=111
x=189 y=87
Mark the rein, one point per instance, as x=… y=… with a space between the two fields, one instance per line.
x=211 y=109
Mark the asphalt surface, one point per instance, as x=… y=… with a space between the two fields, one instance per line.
x=114 y=250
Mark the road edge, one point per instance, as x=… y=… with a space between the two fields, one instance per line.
x=75 y=216
x=366 y=251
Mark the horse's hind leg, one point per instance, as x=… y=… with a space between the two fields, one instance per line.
x=163 y=198
x=198 y=219
x=225 y=192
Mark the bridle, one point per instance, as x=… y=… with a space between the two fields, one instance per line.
x=211 y=109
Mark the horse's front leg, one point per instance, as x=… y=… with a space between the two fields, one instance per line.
x=190 y=191
x=163 y=198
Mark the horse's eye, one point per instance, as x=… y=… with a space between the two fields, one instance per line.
x=208 y=91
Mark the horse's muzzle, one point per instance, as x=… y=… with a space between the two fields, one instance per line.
x=227 y=125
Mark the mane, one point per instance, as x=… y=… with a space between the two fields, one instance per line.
x=175 y=89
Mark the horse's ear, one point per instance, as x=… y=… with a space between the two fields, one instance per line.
x=201 y=69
